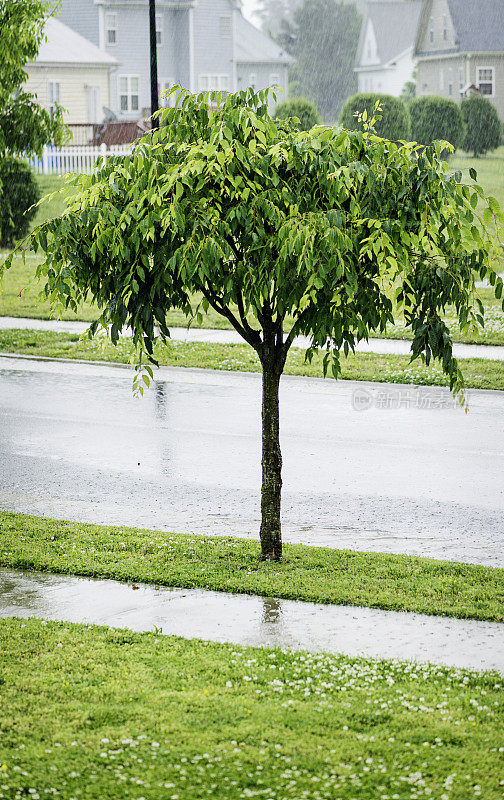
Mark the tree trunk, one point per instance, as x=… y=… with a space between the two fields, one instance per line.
x=271 y=534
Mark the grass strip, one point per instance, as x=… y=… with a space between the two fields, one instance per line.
x=94 y=713
x=20 y=297
x=479 y=373
x=317 y=574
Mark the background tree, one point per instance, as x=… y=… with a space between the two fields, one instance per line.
x=24 y=125
x=323 y=39
x=408 y=92
x=267 y=222
x=18 y=194
x=483 y=130
x=434 y=118
x=298 y=107
x=394 y=122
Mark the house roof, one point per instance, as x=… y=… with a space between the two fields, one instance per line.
x=252 y=45
x=395 y=25
x=479 y=25
x=65 y=46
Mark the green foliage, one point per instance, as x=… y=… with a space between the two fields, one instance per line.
x=302 y=109
x=323 y=39
x=436 y=118
x=24 y=125
x=18 y=193
x=482 y=125
x=317 y=225
x=408 y=92
x=394 y=123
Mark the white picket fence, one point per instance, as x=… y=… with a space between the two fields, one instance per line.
x=82 y=159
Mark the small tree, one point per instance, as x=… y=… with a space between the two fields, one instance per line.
x=393 y=123
x=18 y=194
x=24 y=125
x=302 y=109
x=436 y=118
x=483 y=131
x=268 y=222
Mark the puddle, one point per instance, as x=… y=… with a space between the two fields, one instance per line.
x=256 y=621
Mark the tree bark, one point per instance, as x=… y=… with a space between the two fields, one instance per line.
x=271 y=533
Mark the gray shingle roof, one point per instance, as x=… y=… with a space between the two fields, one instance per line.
x=64 y=46
x=395 y=25
x=479 y=24
x=254 y=45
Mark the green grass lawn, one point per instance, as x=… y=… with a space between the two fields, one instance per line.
x=20 y=293
x=90 y=713
x=479 y=373
x=316 y=574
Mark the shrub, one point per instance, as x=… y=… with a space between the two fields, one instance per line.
x=301 y=108
x=482 y=125
x=395 y=122
x=18 y=191
x=435 y=118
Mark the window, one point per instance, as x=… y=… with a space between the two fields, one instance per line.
x=252 y=80
x=445 y=28
x=274 y=79
x=431 y=30
x=111 y=28
x=128 y=92
x=461 y=79
x=225 y=26
x=163 y=85
x=159 y=29
x=450 y=82
x=213 y=83
x=53 y=93
x=485 y=80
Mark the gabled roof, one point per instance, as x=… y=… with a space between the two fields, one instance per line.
x=395 y=25
x=254 y=45
x=479 y=25
x=65 y=46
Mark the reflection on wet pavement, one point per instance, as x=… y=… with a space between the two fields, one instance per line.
x=75 y=444
x=247 y=620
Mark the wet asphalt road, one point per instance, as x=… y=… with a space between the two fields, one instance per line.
x=410 y=472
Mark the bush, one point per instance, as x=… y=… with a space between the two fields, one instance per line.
x=18 y=191
x=434 y=118
x=301 y=108
x=395 y=122
x=482 y=124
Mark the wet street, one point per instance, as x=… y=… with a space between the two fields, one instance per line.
x=366 y=466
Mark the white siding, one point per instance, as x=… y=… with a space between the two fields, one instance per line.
x=74 y=82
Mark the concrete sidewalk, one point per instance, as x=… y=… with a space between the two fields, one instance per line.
x=380 y=346
x=256 y=621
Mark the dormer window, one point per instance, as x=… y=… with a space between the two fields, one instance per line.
x=431 y=30
x=111 y=28
x=445 y=28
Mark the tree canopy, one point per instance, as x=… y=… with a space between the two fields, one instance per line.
x=323 y=39
x=24 y=125
x=325 y=226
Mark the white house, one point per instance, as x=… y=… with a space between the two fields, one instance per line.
x=200 y=45
x=384 y=61
x=71 y=72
